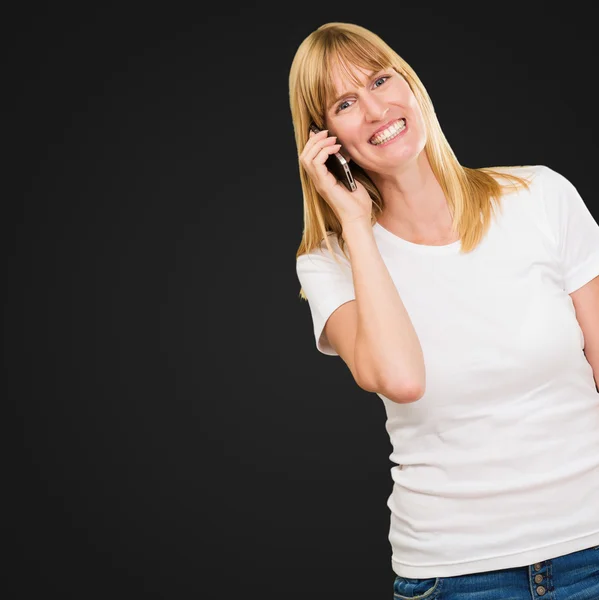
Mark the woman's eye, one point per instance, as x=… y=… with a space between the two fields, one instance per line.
x=343 y=105
x=377 y=83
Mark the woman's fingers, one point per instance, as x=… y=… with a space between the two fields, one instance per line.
x=315 y=143
x=317 y=150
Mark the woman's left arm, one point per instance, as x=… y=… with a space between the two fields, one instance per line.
x=586 y=304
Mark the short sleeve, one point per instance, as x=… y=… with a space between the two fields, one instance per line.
x=575 y=230
x=327 y=284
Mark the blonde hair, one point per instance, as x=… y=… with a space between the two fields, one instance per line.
x=472 y=194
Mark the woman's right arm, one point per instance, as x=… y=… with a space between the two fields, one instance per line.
x=373 y=334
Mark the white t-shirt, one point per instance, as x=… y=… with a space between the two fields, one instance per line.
x=497 y=465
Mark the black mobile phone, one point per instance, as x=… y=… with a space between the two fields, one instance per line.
x=339 y=167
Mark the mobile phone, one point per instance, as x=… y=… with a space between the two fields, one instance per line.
x=339 y=167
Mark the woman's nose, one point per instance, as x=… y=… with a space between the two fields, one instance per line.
x=375 y=110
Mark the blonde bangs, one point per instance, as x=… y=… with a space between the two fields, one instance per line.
x=339 y=52
x=339 y=49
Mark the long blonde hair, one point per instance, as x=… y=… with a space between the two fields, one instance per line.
x=472 y=194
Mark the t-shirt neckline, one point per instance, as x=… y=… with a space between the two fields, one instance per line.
x=452 y=248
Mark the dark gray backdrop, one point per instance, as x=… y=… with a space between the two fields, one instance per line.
x=177 y=434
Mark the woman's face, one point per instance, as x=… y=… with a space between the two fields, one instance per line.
x=379 y=123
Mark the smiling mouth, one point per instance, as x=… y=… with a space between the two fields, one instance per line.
x=389 y=133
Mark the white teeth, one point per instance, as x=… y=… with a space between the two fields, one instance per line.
x=389 y=133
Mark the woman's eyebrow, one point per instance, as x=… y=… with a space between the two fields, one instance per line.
x=345 y=93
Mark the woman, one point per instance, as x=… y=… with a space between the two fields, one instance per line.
x=468 y=300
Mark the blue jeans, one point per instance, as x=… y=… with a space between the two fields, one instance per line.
x=573 y=576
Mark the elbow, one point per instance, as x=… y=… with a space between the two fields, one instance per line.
x=403 y=394
x=399 y=392
x=399 y=385
x=402 y=389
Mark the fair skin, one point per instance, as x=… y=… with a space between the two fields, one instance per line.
x=415 y=206
x=374 y=334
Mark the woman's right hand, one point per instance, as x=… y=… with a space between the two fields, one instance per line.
x=348 y=206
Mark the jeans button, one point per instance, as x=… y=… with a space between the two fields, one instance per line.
x=541 y=590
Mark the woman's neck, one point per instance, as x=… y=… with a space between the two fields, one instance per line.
x=415 y=206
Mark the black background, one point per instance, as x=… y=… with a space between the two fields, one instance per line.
x=177 y=433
